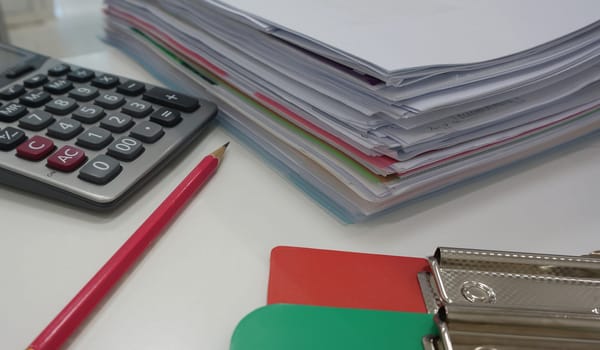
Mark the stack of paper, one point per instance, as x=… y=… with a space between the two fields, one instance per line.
x=367 y=105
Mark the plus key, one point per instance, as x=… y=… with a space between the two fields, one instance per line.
x=171 y=99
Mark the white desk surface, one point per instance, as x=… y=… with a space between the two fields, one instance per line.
x=211 y=267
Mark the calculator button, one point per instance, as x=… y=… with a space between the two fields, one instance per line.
x=137 y=109
x=100 y=170
x=65 y=129
x=110 y=101
x=148 y=132
x=84 y=93
x=36 y=81
x=88 y=114
x=35 y=148
x=58 y=86
x=131 y=88
x=105 y=81
x=12 y=112
x=61 y=106
x=125 y=148
x=80 y=75
x=67 y=159
x=10 y=138
x=12 y=92
x=35 y=98
x=171 y=99
x=60 y=69
x=166 y=117
x=37 y=120
x=117 y=122
x=19 y=70
x=94 y=138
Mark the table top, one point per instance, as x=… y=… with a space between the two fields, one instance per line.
x=210 y=268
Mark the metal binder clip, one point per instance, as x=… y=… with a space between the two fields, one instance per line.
x=495 y=300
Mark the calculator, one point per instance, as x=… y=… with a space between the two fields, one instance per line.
x=85 y=137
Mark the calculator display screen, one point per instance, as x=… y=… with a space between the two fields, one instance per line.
x=9 y=58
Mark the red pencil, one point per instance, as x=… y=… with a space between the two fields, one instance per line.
x=77 y=310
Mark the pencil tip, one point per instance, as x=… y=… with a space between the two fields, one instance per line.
x=219 y=152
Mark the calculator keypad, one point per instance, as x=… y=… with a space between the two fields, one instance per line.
x=110 y=100
x=35 y=81
x=92 y=127
x=12 y=112
x=131 y=88
x=84 y=93
x=95 y=138
x=117 y=122
x=171 y=99
x=65 y=129
x=66 y=159
x=12 y=92
x=125 y=148
x=36 y=148
x=88 y=114
x=59 y=69
x=36 y=121
x=100 y=170
x=10 y=138
x=80 y=75
x=58 y=86
x=61 y=106
x=35 y=98
x=105 y=81
x=166 y=117
x=147 y=132
x=137 y=109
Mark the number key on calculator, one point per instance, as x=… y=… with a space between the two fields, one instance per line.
x=85 y=137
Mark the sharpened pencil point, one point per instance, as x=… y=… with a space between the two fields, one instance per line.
x=220 y=152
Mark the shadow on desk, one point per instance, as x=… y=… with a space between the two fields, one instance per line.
x=480 y=182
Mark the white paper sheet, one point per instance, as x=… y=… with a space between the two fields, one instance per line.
x=402 y=34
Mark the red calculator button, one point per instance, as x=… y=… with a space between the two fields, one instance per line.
x=35 y=148
x=67 y=158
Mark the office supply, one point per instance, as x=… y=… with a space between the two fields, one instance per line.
x=345 y=279
x=513 y=299
x=77 y=310
x=86 y=137
x=480 y=298
x=300 y=327
x=363 y=142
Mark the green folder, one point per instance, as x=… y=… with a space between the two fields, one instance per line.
x=301 y=327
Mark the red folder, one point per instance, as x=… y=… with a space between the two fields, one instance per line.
x=344 y=279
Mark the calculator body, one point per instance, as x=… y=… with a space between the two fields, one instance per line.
x=85 y=137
